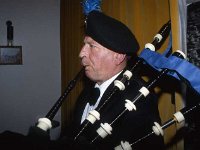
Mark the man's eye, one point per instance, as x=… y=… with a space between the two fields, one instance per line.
x=92 y=46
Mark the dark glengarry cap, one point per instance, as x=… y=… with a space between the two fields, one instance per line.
x=111 y=33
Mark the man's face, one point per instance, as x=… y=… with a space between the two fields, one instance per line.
x=99 y=62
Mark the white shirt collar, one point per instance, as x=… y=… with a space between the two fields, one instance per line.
x=105 y=84
x=102 y=89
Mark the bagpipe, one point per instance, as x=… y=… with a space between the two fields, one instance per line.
x=178 y=68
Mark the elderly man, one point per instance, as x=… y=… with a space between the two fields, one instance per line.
x=108 y=44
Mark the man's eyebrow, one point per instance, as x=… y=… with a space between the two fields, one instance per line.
x=90 y=42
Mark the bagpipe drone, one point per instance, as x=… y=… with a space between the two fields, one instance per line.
x=180 y=69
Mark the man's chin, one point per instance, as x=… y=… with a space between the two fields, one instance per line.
x=88 y=74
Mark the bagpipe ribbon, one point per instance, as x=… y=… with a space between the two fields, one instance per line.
x=179 y=68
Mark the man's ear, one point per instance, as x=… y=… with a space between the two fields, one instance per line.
x=119 y=58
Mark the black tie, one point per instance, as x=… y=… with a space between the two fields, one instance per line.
x=94 y=95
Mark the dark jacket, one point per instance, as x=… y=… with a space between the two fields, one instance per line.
x=129 y=127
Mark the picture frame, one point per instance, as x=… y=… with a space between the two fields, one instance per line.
x=10 y=55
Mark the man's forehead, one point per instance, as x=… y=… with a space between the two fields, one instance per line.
x=88 y=39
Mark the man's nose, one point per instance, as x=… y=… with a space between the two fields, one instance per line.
x=83 y=51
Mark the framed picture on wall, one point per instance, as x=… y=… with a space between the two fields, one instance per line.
x=10 y=55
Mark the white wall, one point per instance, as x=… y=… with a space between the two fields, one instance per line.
x=28 y=91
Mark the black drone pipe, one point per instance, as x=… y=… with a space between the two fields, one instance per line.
x=157 y=40
x=50 y=115
x=45 y=123
x=178 y=117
